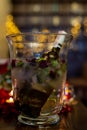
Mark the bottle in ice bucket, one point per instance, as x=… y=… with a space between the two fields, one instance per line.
x=38 y=71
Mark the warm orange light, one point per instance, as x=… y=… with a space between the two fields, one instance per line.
x=11 y=93
x=10 y=100
x=64 y=97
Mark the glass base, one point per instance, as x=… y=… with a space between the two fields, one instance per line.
x=43 y=120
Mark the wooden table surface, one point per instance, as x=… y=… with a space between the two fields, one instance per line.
x=76 y=120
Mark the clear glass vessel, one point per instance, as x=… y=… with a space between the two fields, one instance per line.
x=38 y=70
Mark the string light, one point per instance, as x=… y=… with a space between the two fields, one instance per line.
x=76 y=26
x=11 y=26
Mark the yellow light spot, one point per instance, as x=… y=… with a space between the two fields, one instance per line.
x=10 y=100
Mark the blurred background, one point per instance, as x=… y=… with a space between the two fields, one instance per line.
x=51 y=14
x=36 y=15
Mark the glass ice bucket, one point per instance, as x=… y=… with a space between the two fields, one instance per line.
x=38 y=70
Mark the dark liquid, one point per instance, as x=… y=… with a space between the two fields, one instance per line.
x=30 y=102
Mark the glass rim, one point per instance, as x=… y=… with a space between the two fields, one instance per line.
x=32 y=33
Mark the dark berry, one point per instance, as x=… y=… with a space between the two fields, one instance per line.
x=43 y=64
x=33 y=61
x=63 y=61
x=13 y=63
x=52 y=74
